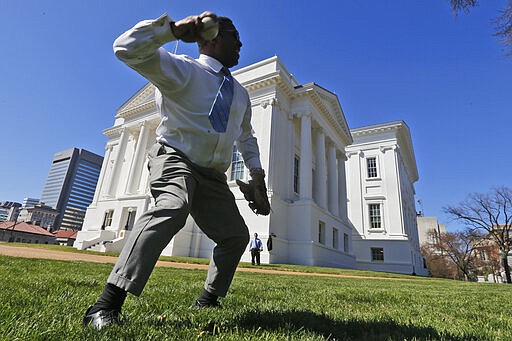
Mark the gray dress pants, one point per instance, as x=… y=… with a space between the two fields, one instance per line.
x=181 y=188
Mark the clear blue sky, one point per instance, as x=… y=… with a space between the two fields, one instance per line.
x=445 y=76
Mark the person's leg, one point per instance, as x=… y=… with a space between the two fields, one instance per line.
x=253 y=257
x=172 y=185
x=215 y=212
x=257 y=257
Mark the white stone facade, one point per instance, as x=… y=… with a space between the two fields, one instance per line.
x=317 y=178
x=381 y=171
x=302 y=134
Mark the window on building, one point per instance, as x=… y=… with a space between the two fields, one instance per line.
x=432 y=236
x=371 y=166
x=375 y=216
x=130 y=219
x=345 y=242
x=237 y=165
x=377 y=254
x=335 y=241
x=313 y=185
x=296 y=163
x=321 y=232
x=107 y=219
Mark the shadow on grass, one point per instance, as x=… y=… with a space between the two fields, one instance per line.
x=294 y=321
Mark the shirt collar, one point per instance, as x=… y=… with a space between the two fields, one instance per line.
x=210 y=62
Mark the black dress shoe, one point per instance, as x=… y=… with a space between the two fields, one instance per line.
x=203 y=304
x=101 y=318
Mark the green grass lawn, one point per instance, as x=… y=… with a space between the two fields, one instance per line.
x=45 y=300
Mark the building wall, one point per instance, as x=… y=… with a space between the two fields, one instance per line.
x=428 y=229
x=9 y=213
x=23 y=237
x=40 y=215
x=9 y=210
x=392 y=189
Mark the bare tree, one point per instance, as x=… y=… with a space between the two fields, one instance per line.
x=459 y=247
x=439 y=265
x=502 y=24
x=491 y=213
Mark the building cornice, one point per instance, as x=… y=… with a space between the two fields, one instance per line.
x=134 y=111
x=113 y=132
x=377 y=129
x=274 y=79
x=403 y=140
x=334 y=115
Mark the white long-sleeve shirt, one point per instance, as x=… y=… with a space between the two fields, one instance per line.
x=186 y=90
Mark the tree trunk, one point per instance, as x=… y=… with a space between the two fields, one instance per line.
x=506 y=267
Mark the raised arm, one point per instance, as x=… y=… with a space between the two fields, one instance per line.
x=141 y=48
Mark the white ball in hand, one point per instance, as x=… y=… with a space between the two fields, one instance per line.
x=210 y=28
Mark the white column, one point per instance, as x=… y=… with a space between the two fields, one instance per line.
x=138 y=160
x=306 y=157
x=104 y=165
x=321 y=170
x=118 y=162
x=342 y=186
x=332 y=186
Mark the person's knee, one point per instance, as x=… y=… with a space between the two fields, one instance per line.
x=238 y=242
x=176 y=210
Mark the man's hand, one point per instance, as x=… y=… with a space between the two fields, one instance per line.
x=255 y=192
x=188 y=29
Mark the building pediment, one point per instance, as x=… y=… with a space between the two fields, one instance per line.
x=328 y=106
x=143 y=100
x=271 y=73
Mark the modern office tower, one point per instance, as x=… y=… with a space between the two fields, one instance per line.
x=70 y=186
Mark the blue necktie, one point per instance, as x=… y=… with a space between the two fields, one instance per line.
x=219 y=113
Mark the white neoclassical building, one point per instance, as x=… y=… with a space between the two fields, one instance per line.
x=381 y=172
x=302 y=134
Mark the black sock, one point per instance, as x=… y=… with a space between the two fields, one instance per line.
x=207 y=297
x=112 y=298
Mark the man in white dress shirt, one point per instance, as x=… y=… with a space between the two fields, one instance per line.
x=188 y=163
x=255 y=246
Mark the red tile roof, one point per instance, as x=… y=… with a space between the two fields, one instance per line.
x=24 y=227
x=65 y=234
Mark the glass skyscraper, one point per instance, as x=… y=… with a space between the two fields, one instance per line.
x=70 y=186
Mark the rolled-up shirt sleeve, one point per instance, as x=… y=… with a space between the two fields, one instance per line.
x=247 y=143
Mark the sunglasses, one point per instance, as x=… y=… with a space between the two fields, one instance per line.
x=233 y=32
